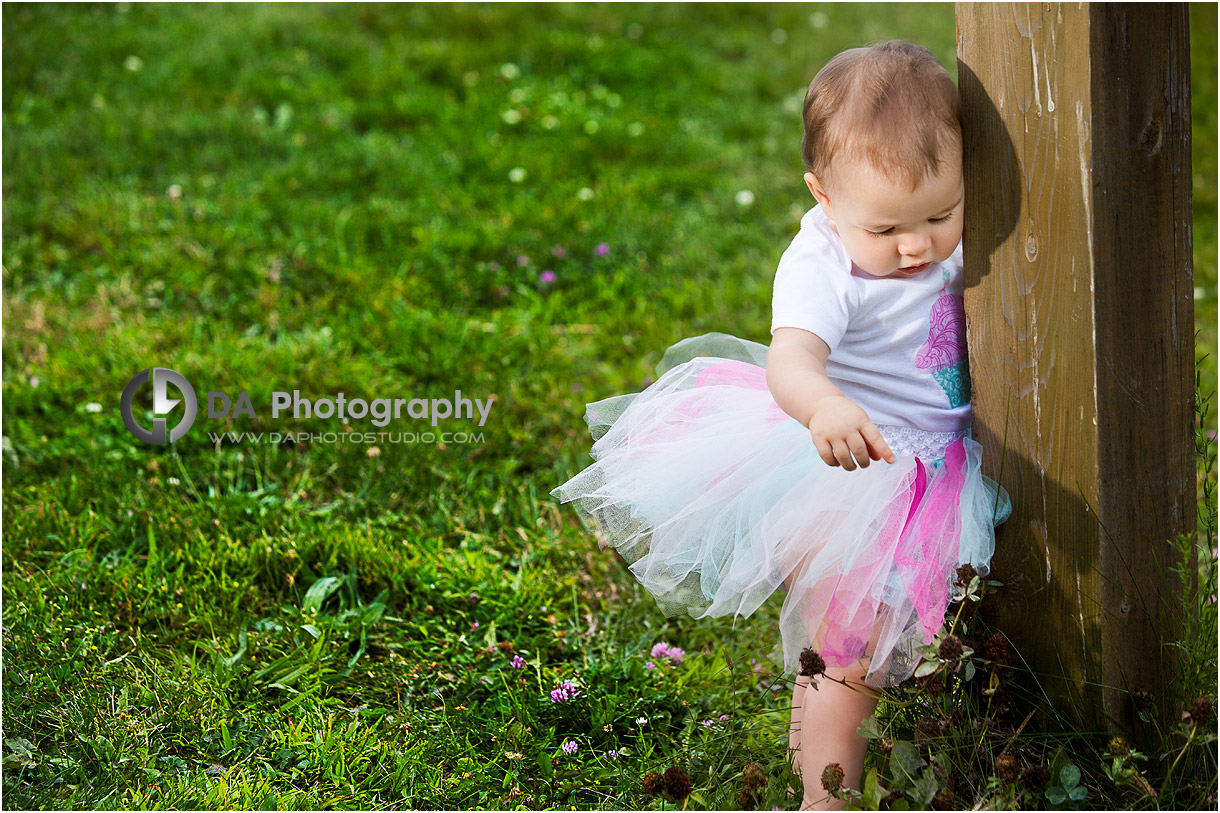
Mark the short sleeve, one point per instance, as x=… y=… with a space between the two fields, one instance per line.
x=813 y=284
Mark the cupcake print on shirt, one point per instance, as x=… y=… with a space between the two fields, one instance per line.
x=944 y=353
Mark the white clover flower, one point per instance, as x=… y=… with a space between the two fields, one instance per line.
x=93 y=407
x=549 y=122
x=509 y=71
x=591 y=126
x=635 y=129
x=173 y=481
x=779 y=36
x=585 y=193
x=133 y=63
x=516 y=174
x=174 y=192
x=641 y=720
x=517 y=95
x=744 y=198
x=819 y=19
x=511 y=116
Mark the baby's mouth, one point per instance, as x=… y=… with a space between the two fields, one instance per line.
x=914 y=269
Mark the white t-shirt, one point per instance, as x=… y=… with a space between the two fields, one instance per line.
x=897 y=345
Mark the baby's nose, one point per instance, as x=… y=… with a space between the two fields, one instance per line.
x=914 y=245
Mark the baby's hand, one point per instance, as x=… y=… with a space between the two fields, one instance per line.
x=841 y=429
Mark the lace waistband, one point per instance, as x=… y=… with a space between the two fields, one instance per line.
x=924 y=445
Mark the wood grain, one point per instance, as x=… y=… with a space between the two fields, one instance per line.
x=1080 y=319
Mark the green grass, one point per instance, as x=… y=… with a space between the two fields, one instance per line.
x=270 y=197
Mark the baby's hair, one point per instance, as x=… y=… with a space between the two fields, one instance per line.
x=890 y=105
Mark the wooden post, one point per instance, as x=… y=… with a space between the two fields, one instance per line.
x=1080 y=304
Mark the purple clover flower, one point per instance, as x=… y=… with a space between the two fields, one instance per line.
x=649 y=665
x=664 y=650
x=570 y=747
x=612 y=755
x=709 y=723
x=602 y=249
x=517 y=662
x=566 y=691
x=547 y=277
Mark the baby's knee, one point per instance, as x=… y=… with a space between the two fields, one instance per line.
x=852 y=674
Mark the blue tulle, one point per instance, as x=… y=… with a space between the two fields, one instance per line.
x=717 y=499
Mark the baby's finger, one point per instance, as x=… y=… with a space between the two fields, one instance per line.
x=878 y=448
x=843 y=454
x=825 y=452
x=859 y=449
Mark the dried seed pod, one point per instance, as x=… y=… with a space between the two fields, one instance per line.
x=812 y=663
x=1006 y=768
x=1200 y=711
x=996 y=650
x=677 y=783
x=950 y=648
x=1035 y=777
x=753 y=775
x=832 y=776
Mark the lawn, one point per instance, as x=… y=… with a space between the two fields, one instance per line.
x=524 y=203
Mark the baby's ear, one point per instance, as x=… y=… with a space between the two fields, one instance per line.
x=817 y=190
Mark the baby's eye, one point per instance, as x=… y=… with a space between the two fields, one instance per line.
x=888 y=231
x=944 y=219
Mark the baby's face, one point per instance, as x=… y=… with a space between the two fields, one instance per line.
x=888 y=230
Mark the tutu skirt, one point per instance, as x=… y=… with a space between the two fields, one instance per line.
x=717 y=499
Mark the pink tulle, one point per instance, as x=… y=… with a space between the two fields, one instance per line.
x=717 y=499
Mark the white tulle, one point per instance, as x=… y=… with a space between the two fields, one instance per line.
x=717 y=498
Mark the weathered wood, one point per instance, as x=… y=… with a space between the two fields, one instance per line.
x=1080 y=318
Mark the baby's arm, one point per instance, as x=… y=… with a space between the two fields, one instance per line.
x=796 y=376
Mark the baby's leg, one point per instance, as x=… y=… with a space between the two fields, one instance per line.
x=794 y=727
x=828 y=718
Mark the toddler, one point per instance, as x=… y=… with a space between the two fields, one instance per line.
x=837 y=465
